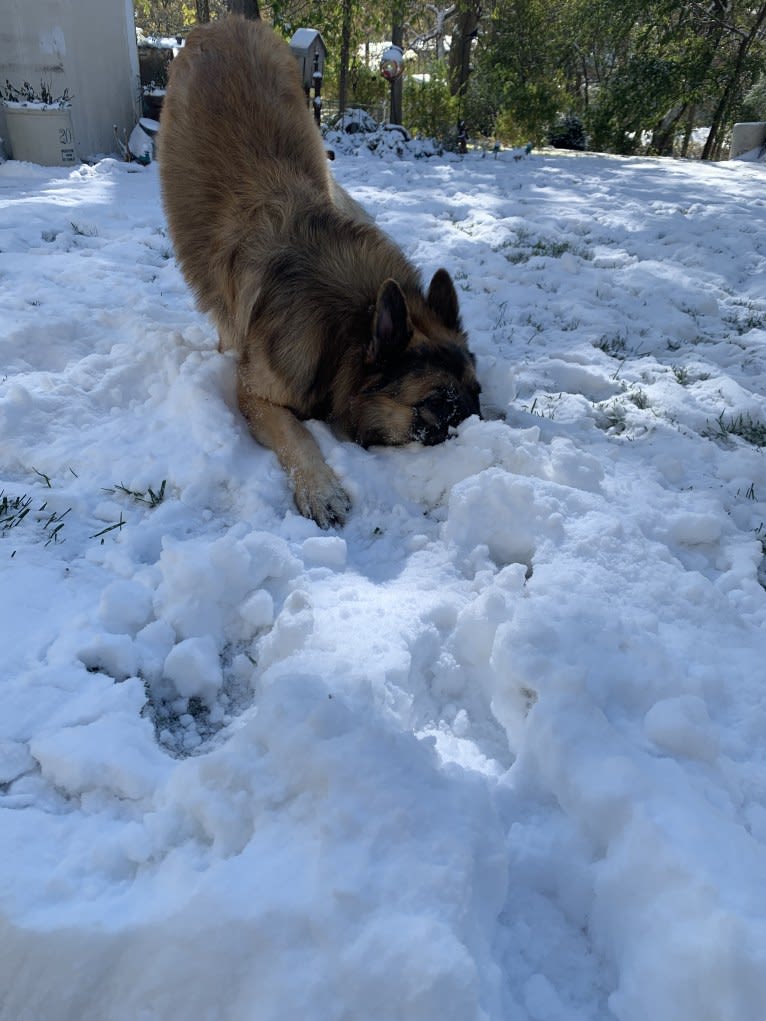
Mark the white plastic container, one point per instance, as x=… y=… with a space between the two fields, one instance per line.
x=746 y=137
x=40 y=134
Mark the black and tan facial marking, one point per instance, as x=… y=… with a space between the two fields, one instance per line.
x=421 y=380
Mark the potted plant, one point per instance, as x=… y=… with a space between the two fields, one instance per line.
x=39 y=125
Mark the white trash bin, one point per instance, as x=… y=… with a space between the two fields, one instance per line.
x=746 y=137
x=40 y=134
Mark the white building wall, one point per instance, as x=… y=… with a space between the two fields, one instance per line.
x=86 y=46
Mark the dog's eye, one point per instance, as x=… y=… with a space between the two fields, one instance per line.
x=442 y=405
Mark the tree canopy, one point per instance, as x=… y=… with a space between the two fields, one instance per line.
x=616 y=75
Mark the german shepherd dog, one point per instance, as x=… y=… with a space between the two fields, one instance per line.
x=327 y=317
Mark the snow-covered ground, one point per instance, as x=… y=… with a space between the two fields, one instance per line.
x=497 y=749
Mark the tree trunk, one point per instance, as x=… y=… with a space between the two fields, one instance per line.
x=247 y=7
x=203 y=11
x=466 y=28
x=345 y=52
x=663 y=136
x=397 y=39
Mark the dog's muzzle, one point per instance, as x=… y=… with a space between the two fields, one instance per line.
x=433 y=418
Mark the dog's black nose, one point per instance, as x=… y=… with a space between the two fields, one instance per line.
x=472 y=406
x=436 y=415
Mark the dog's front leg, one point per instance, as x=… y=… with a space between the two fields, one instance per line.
x=317 y=491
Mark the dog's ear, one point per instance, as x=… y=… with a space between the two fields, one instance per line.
x=442 y=300
x=391 y=328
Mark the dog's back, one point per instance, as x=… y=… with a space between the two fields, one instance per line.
x=237 y=145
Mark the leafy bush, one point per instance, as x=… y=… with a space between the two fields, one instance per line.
x=428 y=107
x=366 y=88
x=523 y=111
x=482 y=103
x=567 y=132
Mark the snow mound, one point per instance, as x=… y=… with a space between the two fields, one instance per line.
x=385 y=141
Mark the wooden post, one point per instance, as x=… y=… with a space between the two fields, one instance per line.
x=317 y=79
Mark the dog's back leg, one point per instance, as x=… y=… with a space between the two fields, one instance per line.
x=316 y=488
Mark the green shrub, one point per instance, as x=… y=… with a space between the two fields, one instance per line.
x=567 y=132
x=366 y=88
x=428 y=107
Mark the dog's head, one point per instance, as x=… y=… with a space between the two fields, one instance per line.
x=419 y=376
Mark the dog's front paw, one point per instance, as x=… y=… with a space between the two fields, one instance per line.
x=320 y=496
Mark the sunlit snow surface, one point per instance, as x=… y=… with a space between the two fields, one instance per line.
x=495 y=750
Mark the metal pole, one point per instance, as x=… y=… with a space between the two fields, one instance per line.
x=317 y=79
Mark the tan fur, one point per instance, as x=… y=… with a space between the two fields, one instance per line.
x=327 y=317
